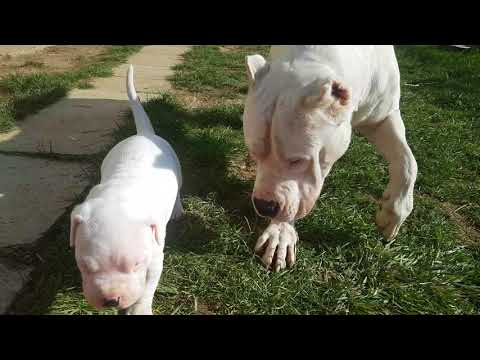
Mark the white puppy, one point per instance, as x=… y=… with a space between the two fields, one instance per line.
x=119 y=231
x=300 y=110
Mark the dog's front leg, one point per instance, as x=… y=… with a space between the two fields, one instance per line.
x=144 y=305
x=397 y=201
x=277 y=245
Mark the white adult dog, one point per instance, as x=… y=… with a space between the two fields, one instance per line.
x=119 y=231
x=298 y=119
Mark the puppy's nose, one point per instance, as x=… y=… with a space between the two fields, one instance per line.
x=111 y=302
x=266 y=208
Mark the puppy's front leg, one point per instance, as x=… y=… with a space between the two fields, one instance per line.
x=280 y=239
x=144 y=305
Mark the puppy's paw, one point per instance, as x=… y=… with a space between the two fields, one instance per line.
x=392 y=214
x=137 y=309
x=277 y=246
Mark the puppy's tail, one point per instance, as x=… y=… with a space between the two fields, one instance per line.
x=142 y=122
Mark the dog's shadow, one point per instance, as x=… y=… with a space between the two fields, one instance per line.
x=188 y=235
x=205 y=158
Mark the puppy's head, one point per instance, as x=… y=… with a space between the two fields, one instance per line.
x=295 y=130
x=113 y=252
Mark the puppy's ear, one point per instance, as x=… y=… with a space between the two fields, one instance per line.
x=323 y=94
x=256 y=66
x=76 y=218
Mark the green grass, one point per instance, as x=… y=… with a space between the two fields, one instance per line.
x=215 y=73
x=343 y=265
x=28 y=93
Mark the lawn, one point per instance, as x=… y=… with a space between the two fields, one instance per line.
x=29 y=86
x=343 y=266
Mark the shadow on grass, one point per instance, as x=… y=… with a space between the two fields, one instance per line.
x=447 y=75
x=18 y=108
x=206 y=141
x=189 y=235
x=33 y=92
x=329 y=238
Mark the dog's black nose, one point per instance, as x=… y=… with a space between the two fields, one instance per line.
x=266 y=208
x=111 y=302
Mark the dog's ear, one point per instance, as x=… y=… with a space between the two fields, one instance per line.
x=76 y=218
x=322 y=94
x=256 y=66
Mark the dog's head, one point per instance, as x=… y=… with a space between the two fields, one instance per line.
x=113 y=251
x=295 y=130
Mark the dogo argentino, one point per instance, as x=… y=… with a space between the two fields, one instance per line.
x=119 y=231
x=299 y=114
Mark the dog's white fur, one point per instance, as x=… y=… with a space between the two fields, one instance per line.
x=300 y=110
x=119 y=231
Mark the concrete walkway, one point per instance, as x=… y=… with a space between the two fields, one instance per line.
x=34 y=192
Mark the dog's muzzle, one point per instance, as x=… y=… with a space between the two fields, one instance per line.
x=266 y=208
x=111 y=302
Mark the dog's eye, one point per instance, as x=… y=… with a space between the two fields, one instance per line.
x=88 y=266
x=296 y=162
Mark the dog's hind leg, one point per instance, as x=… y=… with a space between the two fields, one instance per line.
x=178 y=211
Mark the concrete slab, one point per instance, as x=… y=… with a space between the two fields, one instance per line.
x=71 y=126
x=33 y=194
x=82 y=122
x=11 y=282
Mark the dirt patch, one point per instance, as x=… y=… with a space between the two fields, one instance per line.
x=244 y=167
x=201 y=308
x=52 y=59
x=229 y=48
x=192 y=101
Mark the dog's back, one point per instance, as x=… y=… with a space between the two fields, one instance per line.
x=370 y=70
x=144 y=152
x=142 y=167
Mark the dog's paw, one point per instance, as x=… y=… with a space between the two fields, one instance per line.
x=392 y=214
x=277 y=246
x=137 y=309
